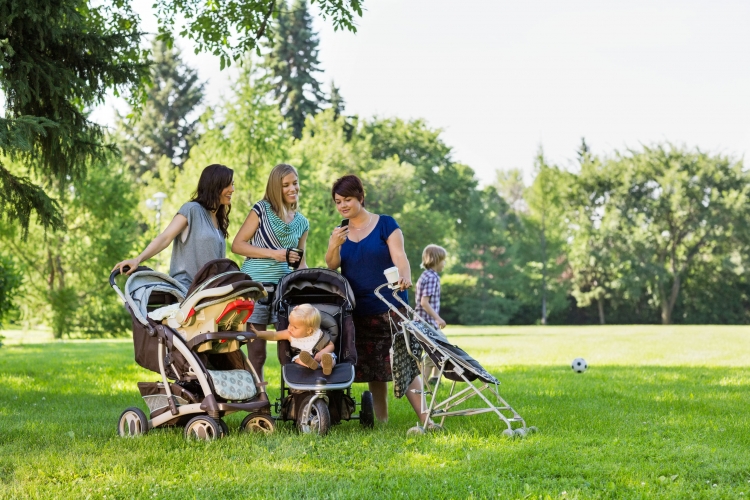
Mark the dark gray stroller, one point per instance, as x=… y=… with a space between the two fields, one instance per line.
x=192 y=339
x=456 y=366
x=312 y=400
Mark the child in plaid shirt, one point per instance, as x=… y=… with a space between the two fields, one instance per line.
x=428 y=285
x=428 y=295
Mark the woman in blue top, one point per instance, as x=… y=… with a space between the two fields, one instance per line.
x=367 y=246
x=273 y=226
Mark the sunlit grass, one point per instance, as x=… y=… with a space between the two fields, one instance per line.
x=661 y=413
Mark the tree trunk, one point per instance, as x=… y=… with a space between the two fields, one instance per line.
x=544 y=275
x=600 y=306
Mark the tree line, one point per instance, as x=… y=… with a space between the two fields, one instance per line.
x=652 y=235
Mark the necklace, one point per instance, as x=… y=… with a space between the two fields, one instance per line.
x=363 y=227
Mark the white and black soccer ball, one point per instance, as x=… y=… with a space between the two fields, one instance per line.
x=579 y=365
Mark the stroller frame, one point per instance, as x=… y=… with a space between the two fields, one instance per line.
x=460 y=371
x=200 y=413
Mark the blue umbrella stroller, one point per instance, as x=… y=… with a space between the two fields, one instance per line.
x=456 y=367
x=192 y=339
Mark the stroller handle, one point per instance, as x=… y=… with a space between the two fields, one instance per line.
x=114 y=274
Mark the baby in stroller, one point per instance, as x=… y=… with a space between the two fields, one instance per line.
x=312 y=347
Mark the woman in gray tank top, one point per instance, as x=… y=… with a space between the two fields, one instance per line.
x=198 y=231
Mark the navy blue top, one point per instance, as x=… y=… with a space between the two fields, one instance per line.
x=363 y=263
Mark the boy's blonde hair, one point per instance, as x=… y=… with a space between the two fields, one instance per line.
x=309 y=316
x=432 y=255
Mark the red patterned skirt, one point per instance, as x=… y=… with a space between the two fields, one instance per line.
x=372 y=336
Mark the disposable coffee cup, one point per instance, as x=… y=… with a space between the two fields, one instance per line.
x=391 y=274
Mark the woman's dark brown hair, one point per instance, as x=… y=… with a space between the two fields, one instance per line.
x=214 y=179
x=349 y=186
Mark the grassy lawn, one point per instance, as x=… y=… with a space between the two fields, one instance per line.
x=662 y=412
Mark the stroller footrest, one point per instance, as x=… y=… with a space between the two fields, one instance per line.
x=301 y=375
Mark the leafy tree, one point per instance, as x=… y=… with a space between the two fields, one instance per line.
x=231 y=28
x=673 y=208
x=66 y=271
x=164 y=126
x=544 y=240
x=56 y=59
x=10 y=281
x=486 y=255
x=291 y=65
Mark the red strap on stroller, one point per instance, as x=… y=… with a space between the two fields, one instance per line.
x=238 y=305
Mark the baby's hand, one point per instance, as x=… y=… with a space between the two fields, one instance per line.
x=318 y=357
x=252 y=328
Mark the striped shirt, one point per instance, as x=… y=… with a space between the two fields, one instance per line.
x=275 y=234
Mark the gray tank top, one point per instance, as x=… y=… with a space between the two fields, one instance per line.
x=202 y=243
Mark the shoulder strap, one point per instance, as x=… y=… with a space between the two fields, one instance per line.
x=324 y=340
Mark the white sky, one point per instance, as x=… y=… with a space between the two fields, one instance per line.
x=501 y=78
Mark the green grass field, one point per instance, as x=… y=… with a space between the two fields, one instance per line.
x=662 y=412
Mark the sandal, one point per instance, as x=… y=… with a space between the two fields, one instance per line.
x=308 y=360
x=327 y=362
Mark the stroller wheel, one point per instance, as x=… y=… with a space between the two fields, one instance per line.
x=367 y=411
x=258 y=423
x=509 y=433
x=417 y=430
x=203 y=428
x=532 y=430
x=133 y=422
x=314 y=419
x=520 y=432
x=224 y=427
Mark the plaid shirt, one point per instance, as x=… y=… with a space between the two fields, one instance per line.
x=428 y=285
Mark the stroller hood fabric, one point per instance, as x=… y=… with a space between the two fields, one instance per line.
x=222 y=272
x=315 y=278
x=142 y=284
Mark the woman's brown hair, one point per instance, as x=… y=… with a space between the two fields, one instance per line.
x=349 y=186
x=215 y=179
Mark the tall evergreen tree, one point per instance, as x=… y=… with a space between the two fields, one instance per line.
x=292 y=63
x=165 y=127
x=337 y=101
x=56 y=59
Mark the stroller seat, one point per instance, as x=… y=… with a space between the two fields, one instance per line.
x=221 y=299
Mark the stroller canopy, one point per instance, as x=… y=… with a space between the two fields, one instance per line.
x=321 y=279
x=142 y=284
x=221 y=273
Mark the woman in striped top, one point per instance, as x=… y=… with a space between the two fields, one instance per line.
x=273 y=226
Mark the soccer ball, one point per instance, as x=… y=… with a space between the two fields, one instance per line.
x=579 y=365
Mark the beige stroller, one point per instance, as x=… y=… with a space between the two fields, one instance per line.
x=192 y=338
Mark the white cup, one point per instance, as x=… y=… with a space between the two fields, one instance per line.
x=391 y=274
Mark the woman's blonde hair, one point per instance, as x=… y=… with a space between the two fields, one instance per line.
x=309 y=316
x=274 y=196
x=432 y=255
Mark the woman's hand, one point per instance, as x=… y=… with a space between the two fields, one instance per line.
x=338 y=236
x=280 y=255
x=131 y=263
x=441 y=323
x=404 y=283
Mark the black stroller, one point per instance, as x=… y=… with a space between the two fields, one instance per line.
x=310 y=399
x=192 y=338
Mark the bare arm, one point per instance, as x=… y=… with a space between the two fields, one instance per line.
x=425 y=303
x=398 y=256
x=241 y=243
x=177 y=226
x=333 y=254
x=267 y=335
x=327 y=349
x=301 y=245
